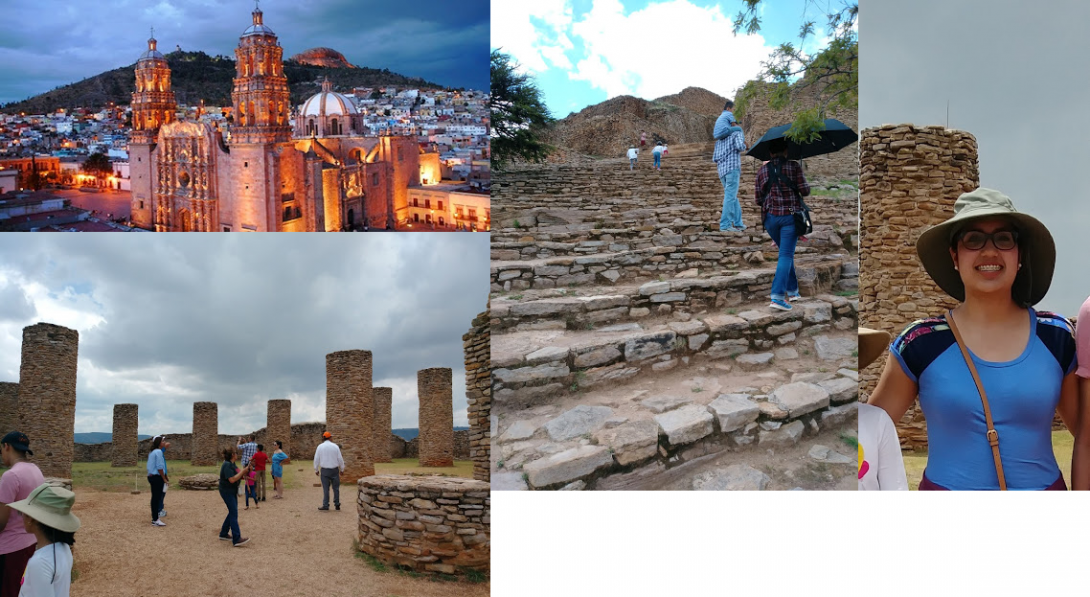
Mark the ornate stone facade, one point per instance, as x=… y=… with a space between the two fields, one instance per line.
x=436 y=417
x=46 y=410
x=206 y=448
x=428 y=524
x=384 y=398
x=278 y=426
x=124 y=440
x=909 y=179
x=476 y=344
x=350 y=410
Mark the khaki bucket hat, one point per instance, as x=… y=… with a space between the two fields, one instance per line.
x=1038 y=258
x=872 y=343
x=51 y=506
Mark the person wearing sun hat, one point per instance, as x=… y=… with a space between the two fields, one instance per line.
x=998 y=263
x=16 y=542
x=881 y=466
x=47 y=513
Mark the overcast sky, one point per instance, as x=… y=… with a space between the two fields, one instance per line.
x=583 y=52
x=49 y=43
x=1013 y=74
x=169 y=320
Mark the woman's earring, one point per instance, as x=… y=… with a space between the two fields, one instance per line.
x=1019 y=266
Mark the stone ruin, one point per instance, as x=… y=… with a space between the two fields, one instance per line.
x=205 y=450
x=426 y=524
x=278 y=425
x=909 y=179
x=436 y=417
x=350 y=410
x=384 y=400
x=478 y=358
x=124 y=439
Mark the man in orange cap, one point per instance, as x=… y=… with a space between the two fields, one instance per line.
x=328 y=464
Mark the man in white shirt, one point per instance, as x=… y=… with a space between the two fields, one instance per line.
x=328 y=464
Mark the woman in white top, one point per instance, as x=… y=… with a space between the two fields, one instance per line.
x=881 y=465
x=47 y=514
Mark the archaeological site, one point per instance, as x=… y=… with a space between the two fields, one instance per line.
x=633 y=346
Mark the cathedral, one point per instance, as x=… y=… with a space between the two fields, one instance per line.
x=320 y=172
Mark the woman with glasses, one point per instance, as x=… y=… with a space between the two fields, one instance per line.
x=991 y=373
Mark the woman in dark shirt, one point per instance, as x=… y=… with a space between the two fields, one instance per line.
x=230 y=475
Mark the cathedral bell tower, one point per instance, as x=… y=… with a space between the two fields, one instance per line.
x=153 y=106
x=260 y=97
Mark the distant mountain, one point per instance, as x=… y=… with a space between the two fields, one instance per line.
x=195 y=76
x=326 y=57
x=98 y=437
x=410 y=434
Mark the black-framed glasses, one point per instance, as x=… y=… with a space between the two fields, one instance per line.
x=1004 y=240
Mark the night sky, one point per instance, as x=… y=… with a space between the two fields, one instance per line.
x=50 y=43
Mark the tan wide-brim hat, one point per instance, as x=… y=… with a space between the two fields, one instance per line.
x=1039 y=254
x=51 y=506
x=872 y=343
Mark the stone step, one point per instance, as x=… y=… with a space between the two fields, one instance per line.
x=539 y=366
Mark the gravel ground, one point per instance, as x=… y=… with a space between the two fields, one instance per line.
x=294 y=549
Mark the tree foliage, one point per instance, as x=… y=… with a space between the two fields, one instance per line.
x=519 y=115
x=98 y=163
x=833 y=72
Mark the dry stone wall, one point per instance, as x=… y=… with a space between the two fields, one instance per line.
x=384 y=399
x=350 y=410
x=909 y=179
x=46 y=408
x=204 y=450
x=126 y=425
x=277 y=426
x=478 y=353
x=439 y=525
x=434 y=389
x=9 y=398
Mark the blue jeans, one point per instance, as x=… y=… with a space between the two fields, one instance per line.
x=251 y=492
x=732 y=210
x=782 y=231
x=658 y=159
x=230 y=497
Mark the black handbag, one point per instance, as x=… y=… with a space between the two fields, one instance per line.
x=803 y=225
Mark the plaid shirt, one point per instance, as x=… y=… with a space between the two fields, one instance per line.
x=248 y=451
x=727 y=155
x=781 y=199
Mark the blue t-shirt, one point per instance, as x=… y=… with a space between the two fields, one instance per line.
x=156 y=462
x=1022 y=393
x=277 y=467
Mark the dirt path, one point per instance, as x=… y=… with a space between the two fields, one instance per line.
x=294 y=549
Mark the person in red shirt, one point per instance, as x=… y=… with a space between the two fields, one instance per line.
x=260 y=459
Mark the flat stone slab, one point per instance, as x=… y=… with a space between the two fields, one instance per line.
x=651 y=345
x=849 y=373
x=578 y=421
x=734 y=411
x=835 y=349
x=545 y=307
x=519 y=430
x=840 y=415
x=530 y=374
x=597 y=357
x=686 y=424
x=788 y=435
x=547 y=355
x=726 y=323
x=736 y=477
x=841 y=389
x=507 y=482
x=799 y=398
x=631 y=442
x=817 y=312
x=661 y=404
x=688 y=328
x=755 y=361
x=825 y=454
x=567 y=466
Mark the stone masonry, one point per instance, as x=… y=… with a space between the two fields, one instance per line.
x=436 y=417
x=124 y=441
x=206 y=447
x=384 y=399
x=278 y=426
x=428 y=524
x=476 y=344
x=9 y=398
x=909 y=179
x=350 y=410
x=46 y=410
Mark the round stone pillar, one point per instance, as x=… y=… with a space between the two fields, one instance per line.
x=205 y=450
x=46 y=410
x=124 y=442
x=350 y=410
x=278 y=426
x=384 y=398
x=436 y=424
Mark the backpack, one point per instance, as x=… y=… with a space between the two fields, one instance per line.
x=803 y=224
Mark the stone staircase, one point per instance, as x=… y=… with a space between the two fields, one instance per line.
x=629 y=334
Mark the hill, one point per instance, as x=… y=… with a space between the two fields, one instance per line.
x=98 y=437
x=196 y=76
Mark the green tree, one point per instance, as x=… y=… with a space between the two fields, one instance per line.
x=833 y=72
x=519 y=115
x=98 y=164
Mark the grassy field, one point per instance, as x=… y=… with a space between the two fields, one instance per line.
x=1063 y=444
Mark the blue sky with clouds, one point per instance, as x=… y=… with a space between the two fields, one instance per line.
x=583 y=52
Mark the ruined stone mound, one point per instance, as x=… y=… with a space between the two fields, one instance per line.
x=326 y=57
x=58 y=482
x=698 y=100
x=202 y=481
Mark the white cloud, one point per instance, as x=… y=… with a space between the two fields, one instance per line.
x=535 y=48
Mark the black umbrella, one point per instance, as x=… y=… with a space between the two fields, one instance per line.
x=835 y=137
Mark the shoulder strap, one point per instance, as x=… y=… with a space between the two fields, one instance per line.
x=993 y=435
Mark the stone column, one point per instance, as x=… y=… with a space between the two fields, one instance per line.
x=350 y=410
x=436 y=417
x=476 y=345
x=384 y=398
x=205 y=450
x=9 y=400
x=909 y=179
x=278 y=426
x=46 y=410
x=124 y=440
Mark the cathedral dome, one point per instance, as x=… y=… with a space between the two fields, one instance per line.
x=328 y=103
x=152 y=52
x=258 y=28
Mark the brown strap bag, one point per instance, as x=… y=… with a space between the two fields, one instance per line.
x=993 y=435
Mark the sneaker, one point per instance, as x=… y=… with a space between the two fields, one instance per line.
x=324 y=508
x=338 y=507
x=242 y=542
x=780 y=304
x=158 y=523
x=794 y=297
x=228 y=538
